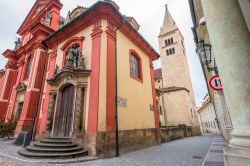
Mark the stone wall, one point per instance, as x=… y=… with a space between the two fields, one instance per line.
x=129 y=140
x=133 y=140
x=173 y=133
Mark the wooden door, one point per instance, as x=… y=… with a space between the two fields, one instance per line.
x=66 y=112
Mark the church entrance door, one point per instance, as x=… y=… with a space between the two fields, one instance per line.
x=65 y=115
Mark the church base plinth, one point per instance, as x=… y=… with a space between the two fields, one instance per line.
x=236 y=156
x=90 y=143
x=238 y=151
x=22 y=125
x=77 y=137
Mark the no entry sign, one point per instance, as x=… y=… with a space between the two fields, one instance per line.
x=215 y=83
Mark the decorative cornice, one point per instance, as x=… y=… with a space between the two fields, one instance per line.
x=69 y=74
x=72 y=40
x=110 y=30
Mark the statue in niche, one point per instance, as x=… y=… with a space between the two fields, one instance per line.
x=61 y=22
x=76 y=53
x=47 y=19
x=70 y=58
x=81 y=61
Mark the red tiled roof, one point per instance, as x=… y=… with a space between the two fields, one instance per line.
x=158 y=74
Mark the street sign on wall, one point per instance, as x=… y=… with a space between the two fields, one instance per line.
x=215 y=83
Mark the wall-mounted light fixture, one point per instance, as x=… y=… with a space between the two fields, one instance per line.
x=204 y=52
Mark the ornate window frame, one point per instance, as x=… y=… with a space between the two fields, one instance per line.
x=69 y=43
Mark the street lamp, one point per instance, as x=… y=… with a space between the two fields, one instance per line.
x=204 y=52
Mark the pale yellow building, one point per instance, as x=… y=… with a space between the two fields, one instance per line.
x=178 y=97
x=207 y=117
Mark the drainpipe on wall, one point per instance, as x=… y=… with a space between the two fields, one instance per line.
x=116 y=94
x=32 y=127
x=164 y=108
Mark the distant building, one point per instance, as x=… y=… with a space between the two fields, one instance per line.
x=175 y=85
x=159 y=97
x=207 y=117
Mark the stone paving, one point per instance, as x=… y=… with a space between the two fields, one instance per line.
x=215 y=154
x=189 y=151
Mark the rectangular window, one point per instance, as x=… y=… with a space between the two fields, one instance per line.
x=28 y=68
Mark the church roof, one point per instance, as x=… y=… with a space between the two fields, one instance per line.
x=94 y=11
x=158 y=74
x=35 y=13
x=168 y=23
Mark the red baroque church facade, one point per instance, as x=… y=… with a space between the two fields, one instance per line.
x=62 y=72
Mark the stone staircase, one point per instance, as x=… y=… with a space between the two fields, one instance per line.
x=53 y=148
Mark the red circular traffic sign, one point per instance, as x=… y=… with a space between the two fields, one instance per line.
x=215 y=83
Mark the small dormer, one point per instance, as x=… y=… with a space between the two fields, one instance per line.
x=133 y=22
x=76 y=12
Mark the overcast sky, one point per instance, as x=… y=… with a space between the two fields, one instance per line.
x=148 y=13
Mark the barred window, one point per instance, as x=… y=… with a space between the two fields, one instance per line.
x=134 y=66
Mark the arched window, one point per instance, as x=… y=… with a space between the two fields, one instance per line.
x=135 y=66
x=28 y=68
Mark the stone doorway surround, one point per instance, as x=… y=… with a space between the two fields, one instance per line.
x=78 y=77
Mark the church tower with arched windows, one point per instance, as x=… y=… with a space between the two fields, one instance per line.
x=176 y=87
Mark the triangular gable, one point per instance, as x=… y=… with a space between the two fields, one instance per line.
x=37 y=7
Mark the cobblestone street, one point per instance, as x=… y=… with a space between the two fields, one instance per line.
x=189 y=151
